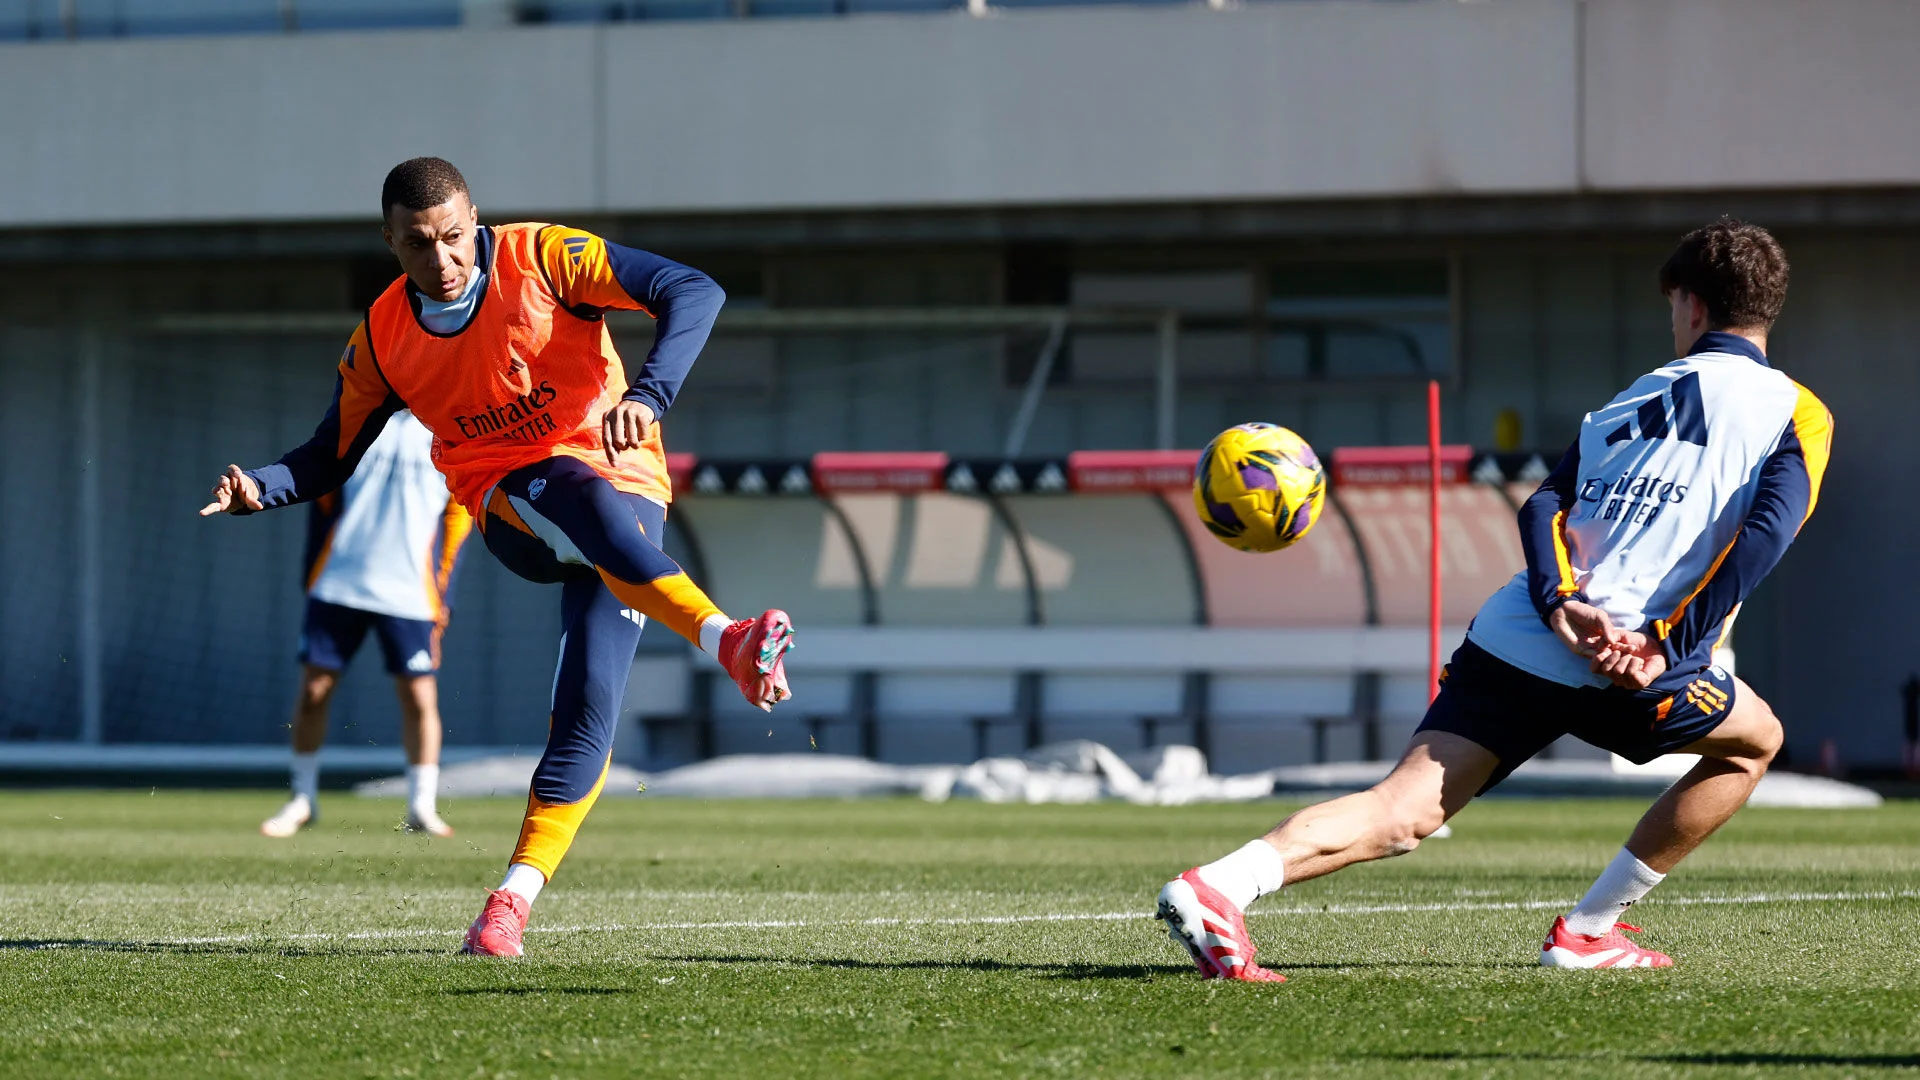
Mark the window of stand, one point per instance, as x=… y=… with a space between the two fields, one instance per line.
x=1358 y=321
x=1372 y=321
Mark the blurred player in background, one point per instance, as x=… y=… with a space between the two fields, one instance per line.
x=381 y=554
x=494 y=337
x=1677 y=498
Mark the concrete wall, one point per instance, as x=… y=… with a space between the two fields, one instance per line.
x=1750 y=93
x=1287 y=100
x=1272 y=101
x=272 y=129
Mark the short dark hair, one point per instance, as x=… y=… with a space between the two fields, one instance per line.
x=420 y=184
x=1736 y=269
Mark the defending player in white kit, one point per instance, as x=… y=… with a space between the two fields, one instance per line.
x=1678 y=497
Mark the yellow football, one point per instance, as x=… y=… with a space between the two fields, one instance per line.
x=1259 y=487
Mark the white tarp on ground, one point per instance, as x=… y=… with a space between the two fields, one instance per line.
x=1084 y=771
x=504 y=776
x=1580 y=780
x=1076 y=772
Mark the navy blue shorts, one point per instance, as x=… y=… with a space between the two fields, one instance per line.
x=331 y=634
x=1516 y=714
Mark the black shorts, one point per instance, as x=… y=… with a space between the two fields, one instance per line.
x=1516 y=714
x=331 y=634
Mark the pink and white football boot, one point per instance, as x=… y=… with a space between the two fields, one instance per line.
x=751 y=651
x=497 y=931
x=1566 y=949
x=1212 y=929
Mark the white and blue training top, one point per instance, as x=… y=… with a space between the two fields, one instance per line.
x=1675 y=501
x=388 y=541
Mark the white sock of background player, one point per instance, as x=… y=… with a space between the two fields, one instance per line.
x=423 y=783
x=306 y=779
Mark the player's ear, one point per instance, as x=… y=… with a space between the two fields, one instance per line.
x=1697 y=310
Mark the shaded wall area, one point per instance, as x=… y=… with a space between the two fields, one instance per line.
x=195 y=623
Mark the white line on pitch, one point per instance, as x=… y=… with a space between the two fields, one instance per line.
x=1001 y=920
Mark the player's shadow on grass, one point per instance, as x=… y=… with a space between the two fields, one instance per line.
x=584 y=991
x=34 y=944
x=1867 y=1061
x=1056 y=970
x=1284 y=966
x=1060 y=971
x=1870 y=1061
x=206 y=948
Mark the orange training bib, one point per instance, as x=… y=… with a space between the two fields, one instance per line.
x=526 y=379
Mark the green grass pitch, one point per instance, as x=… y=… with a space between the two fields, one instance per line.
x=157 y=935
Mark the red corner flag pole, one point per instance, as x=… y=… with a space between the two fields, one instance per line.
x=1433 y=533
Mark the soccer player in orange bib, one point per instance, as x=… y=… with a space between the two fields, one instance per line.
x=494 y=337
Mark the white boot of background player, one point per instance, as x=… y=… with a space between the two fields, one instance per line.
x=303 y=809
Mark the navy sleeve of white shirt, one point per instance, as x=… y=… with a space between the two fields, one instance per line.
x=1542 y=516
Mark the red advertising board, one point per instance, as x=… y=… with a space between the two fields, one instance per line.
x=680 y=470
x=903 y=472
x=1131 y=470
x=1384 y=465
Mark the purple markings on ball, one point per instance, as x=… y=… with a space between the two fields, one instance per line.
x=1222 y=514
x=1302 y=521
x=1258 y=478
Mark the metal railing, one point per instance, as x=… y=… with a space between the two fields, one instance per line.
x=53 y=20
x=60 y=20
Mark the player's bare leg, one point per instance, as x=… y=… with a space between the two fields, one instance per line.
x=1733 y=759
x=420 y=734
x=309 y=734
x=1440 y=773
x=1205 y=907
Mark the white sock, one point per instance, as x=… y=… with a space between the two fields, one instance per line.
x=1248 y=874
x=524 y=880
x=1625 y=880
x=306 y=777
x=423 y=781
x=710 y=631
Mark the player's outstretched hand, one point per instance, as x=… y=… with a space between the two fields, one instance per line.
x=1582 y=627
x=1630 y=659
x=625 y=428
x=236 y=493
